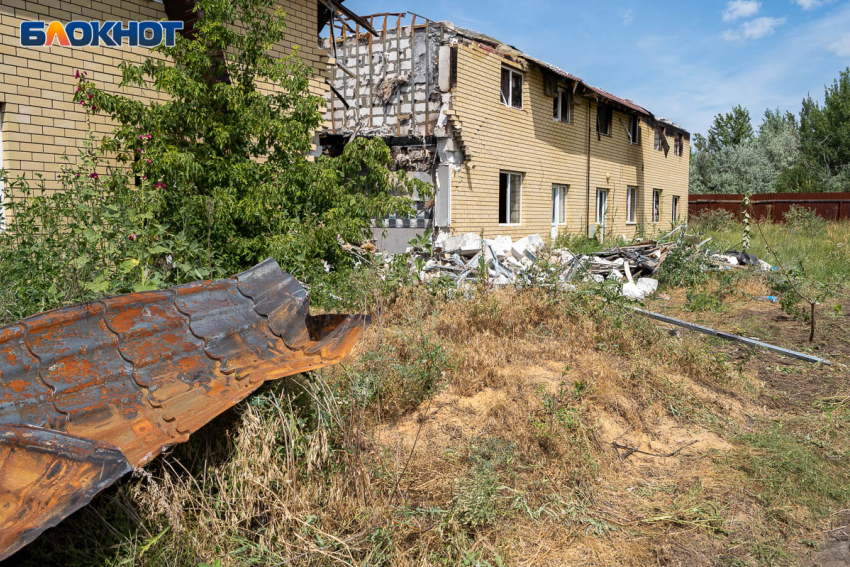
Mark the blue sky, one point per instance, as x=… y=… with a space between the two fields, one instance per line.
x=686 y=61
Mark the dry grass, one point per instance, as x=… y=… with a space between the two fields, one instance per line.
x=475 y=431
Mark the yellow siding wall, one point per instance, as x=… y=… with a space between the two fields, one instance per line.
x=549 y=152
x=40 y=121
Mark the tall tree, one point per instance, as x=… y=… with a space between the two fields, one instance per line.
x=730 y=129
x=225 y=153
x=825 y=130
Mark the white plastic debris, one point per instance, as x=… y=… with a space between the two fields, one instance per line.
x=647 y=285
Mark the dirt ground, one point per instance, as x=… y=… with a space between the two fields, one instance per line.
x=658 y=478
x=790 y=385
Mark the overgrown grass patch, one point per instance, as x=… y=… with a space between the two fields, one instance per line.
x=794 y=476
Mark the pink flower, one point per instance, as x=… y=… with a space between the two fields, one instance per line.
x=140 y=150
x=79 y=89
x=132 y=237
x=94 y=175
x=149 y=136
x=144 y=176
x=149 y=160
x=91 y=96
x=77 y=75
x=94 y=107
x=140 y=136
x=82 y=102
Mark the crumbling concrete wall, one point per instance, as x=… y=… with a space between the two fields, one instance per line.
x=394 y=90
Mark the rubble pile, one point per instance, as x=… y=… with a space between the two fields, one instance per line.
x=467 y=258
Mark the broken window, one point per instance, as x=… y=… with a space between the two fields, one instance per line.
x=562 y=105
x=659 y=144
x=656 y=205
x=677 y=144
x=511 y=87
x=675 y=209
x=601 y=206
x=634 y=130
x=510 y=197
x=603 y=119
x=559 y=204
x=631 y=204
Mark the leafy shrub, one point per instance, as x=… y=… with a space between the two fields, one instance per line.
x=683 y=267
x=711 y=220
x=95 y=237
x=804 y=219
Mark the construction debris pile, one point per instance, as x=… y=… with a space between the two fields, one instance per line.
x=466 y=258
x=503 y=261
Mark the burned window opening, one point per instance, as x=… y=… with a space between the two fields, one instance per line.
x=562 y=105
x=512 y=87
x=604 y=113
x=634 y=130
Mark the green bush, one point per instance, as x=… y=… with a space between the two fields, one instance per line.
x=712 y=220
x=97 y=236
x=804 y=219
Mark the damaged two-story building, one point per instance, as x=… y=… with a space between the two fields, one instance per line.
x=511 y=144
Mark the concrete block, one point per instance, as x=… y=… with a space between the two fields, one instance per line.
x=468 y=243
x=633 y=292
x=647 y=285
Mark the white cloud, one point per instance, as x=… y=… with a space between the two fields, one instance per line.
x=841 y=46
x=754 y=29
x=627 y=16
x=737 y=9
x=761 y=27
x=811 y=4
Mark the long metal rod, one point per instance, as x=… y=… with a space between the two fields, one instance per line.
x=731 y=337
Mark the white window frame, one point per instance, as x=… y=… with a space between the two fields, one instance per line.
x=656 y=205
x=601 y=212
x=631 y=204
x=559 y=204
x=508 y=101
x=512 y=175
x=559 y=117
x=674 y=210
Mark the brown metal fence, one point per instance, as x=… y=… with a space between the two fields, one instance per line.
x=773 y=206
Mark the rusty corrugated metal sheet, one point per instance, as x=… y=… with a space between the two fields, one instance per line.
x=89 y=392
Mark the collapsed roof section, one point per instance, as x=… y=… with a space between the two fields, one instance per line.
x=579 y=85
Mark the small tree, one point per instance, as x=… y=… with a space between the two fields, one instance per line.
x=226 y=147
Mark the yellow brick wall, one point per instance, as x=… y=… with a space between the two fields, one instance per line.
x=41 y=123
x=549 y=152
